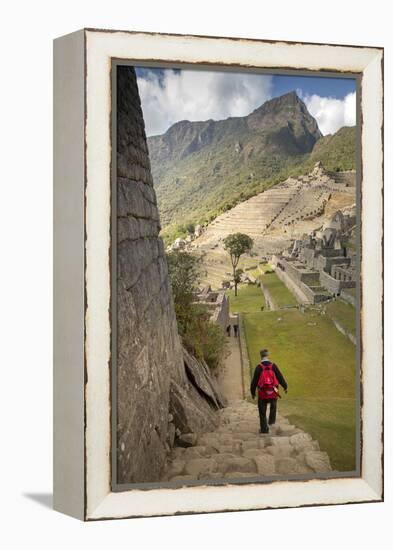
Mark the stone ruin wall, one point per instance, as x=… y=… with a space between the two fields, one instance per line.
x=155 y=398
x=222 y=313
x=302 y=293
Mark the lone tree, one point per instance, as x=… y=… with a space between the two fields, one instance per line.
x=237 y=244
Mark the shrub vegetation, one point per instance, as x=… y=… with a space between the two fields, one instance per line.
x=201 y=337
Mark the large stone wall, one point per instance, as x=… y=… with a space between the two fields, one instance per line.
x=152 y=383
x=334 y=285
x=221 y=313
x=298 y=272
x=323 y=263
x=302 y=293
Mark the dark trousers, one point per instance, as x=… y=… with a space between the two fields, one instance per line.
x=262 y=407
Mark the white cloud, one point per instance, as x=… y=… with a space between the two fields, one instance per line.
x=170 y=96
x=330 y=113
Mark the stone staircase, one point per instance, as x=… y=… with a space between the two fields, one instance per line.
x=236 y=449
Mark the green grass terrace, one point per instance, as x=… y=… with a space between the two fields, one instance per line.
x=279 y=293
x=343 y=313
x=317 y=361
x=249 y=299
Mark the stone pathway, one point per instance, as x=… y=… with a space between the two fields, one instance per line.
x=237 y=449
x=230 y=379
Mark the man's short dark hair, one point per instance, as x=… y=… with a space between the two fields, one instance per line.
x=264 y=352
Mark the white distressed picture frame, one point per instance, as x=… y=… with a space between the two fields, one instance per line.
x=82 y=417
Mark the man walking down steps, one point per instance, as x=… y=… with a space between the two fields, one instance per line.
x=267 y=377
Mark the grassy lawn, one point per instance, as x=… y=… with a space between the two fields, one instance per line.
x=344 y=313
x=248 y=262
x=278 y=291
x=249 y=299
x=331 y=421
x=259 y=270
x=264 y=267
x=255 y=273
x=318 y=363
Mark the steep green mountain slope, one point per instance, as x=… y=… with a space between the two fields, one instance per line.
x=336 y=152
x=201 y=169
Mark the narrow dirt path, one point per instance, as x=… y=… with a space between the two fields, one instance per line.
x=230 y=379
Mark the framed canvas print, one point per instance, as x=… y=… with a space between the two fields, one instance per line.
x=218 y=274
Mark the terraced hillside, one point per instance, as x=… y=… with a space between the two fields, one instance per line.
x=275 y=217
x=255 y=215
x=202 y=169
x=216 y=267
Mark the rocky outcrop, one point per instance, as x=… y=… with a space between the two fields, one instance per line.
x=287 y=118
x=156 y=400
x=190 y=412
x=198 y=372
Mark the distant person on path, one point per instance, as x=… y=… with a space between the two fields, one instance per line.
x=267 y=377
x=235 y=330
x=228 y=330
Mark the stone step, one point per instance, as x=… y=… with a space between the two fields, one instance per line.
x=236 y=449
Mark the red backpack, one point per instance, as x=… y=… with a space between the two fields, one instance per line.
x=267 y=383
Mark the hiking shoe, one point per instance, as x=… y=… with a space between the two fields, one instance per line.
x=264 y=431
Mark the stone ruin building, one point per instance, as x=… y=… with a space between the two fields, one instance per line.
x=321 y=265
x=182 y=244
x=162 y=391
x=216 y=303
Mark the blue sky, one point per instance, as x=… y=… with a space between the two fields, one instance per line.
x=323 y=86
x=170 y=95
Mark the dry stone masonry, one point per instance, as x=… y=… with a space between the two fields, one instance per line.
x=162 y=392
x=320 y=265
x=216 y=303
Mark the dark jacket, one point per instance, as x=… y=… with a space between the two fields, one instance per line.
x=257 y=373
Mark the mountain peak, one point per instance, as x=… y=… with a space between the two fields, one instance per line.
x=290 y=99
x=287 y=110
x=281 y=126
